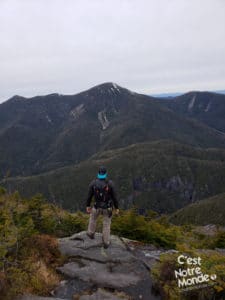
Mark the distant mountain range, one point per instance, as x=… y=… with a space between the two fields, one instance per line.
x=156 y=149
x=48 y=132
x=172 y=95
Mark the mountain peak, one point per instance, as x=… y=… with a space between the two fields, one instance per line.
x=108 y=85
x=17 y=98
x=109 y=88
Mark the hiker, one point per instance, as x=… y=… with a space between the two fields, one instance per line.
x=105 y=200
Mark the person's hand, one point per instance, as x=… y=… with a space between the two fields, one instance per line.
x=88 y=209
x=117 y=211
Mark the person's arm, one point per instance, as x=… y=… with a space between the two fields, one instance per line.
x=114 y=196
x=89 y=197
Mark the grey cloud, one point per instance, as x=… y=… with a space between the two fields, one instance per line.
x=147 y=46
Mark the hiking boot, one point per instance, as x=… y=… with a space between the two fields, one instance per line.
x=106 y=245
x=90 y=235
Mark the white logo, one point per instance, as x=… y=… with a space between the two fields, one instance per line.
x=191 y=275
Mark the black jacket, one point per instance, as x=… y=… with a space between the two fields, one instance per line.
x=102 y=183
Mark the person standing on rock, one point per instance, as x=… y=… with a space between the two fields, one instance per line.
x=104 y=194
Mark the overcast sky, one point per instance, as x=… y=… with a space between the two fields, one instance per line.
x=148 y=46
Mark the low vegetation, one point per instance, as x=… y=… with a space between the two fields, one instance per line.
x=28 y=244
x=29 y=255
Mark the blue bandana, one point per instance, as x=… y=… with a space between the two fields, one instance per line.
x=102 y=176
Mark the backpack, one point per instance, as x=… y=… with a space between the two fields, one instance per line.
x=102 y=195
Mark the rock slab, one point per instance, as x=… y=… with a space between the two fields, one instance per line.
x=93 y=272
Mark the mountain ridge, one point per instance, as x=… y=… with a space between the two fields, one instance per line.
x=48 y=132
x=163 y=176
x=203 y=212
x=206 y=107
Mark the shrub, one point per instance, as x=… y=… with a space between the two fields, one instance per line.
x=220 y=240
x=133 y=226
